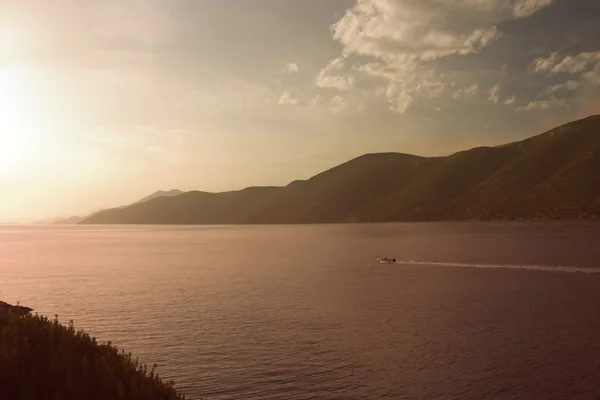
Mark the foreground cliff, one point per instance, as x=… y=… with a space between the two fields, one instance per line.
x=41 y=359
x=552 y=175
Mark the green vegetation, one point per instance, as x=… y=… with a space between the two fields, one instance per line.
x=549 y=176
x=42 y=359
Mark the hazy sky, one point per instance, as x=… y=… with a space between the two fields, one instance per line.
x=105 y=101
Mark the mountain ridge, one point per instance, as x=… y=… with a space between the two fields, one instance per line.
x=551 y=175
x=160 y=193
x=75 y=219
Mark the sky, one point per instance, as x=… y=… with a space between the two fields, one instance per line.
x=103 y=102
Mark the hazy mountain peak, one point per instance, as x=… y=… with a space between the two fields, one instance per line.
x=160 y=193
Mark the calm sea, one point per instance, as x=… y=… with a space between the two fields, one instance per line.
x=471 y=311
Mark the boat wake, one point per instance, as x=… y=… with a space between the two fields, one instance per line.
x=546 y=268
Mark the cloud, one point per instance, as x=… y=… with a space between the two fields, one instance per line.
x=585 y=64
x=330 y=78
x=291 y=68
x=421 y=29
x=466 y=92
x=315 y=101
x=338 y=104
x=570 y=64
x=510 y=100
x=399 y=97
x=334 y=82
x=403 y=83
x=569 y=85
x=426 y=29
x=541 y=64
x=493 y=94
x=592 y=78
x=525 y=8
x=430 y=89
x=286 y=99
x=543 y=105
x=394 y=40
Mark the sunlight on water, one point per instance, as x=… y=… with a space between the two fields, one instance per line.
x=303 y=312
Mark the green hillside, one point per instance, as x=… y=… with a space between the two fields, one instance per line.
x=552 y=175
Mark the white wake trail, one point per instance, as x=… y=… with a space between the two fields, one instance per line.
x=548 y=268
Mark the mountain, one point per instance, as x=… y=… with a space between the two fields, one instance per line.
x=75 y=219
x=553 y=175
x=160 y=193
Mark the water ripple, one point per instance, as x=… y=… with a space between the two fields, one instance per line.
x=305 y=312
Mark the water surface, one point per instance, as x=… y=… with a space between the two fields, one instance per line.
x=305 y=312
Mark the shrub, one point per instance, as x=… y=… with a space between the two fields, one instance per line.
x=42 y=359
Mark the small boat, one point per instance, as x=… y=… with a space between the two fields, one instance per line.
x=386 y=260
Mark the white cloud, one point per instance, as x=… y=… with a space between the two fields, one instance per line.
x=334 y=82
x=399 y=97
x=330 y=78
x=569 y=85
x=570 y=64
x=400 y=36
x=466 y=92
x=286 y=99
x=585 y=64
x=541 y=64
x=592 y=78
x=404 y=83
x=510 y=100
x=525 y=8
x=493 y=94
x=422 y=29
x=338 y=104
x=379 y=70
x=426 y=29
x=543 y=105
x=291 y=68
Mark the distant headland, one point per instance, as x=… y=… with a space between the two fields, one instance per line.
x=553 y=175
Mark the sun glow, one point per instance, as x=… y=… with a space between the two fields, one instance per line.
x=16 y=130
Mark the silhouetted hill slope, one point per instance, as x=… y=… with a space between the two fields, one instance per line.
x=75 y=219
x=160 y=193
x=552 y=175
